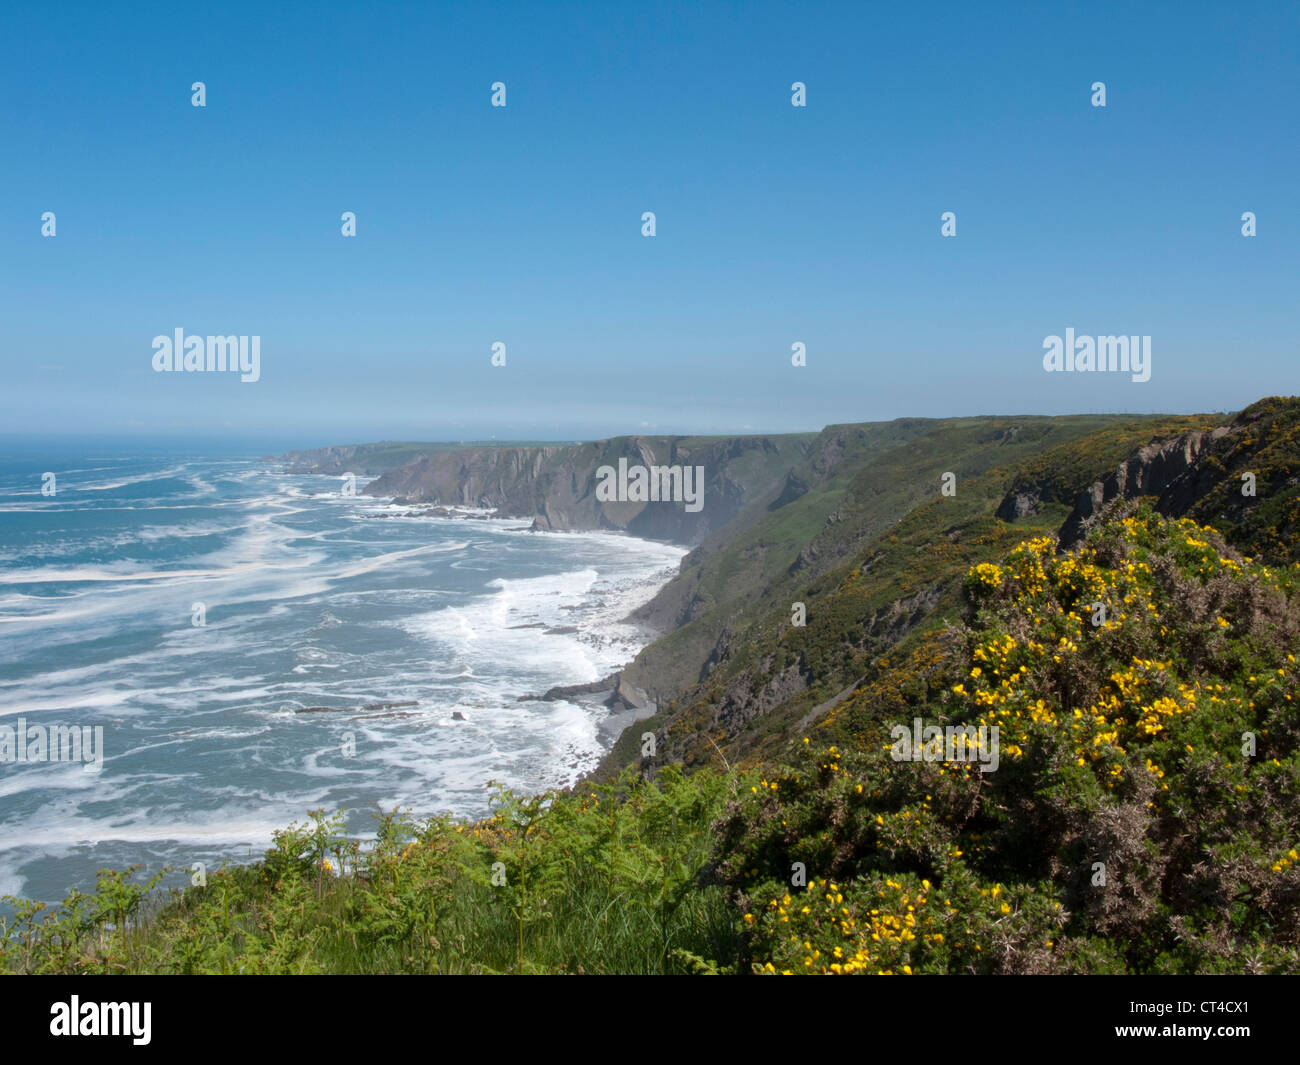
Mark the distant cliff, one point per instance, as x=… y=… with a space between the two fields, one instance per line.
x=556 y=485
x=368 y=460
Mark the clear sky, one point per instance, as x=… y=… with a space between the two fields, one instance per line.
x=522 y=224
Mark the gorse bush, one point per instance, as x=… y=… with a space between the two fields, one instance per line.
x=1141 y=816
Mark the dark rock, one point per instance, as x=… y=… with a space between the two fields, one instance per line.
x=793 y=488
x=1165 y=469
x=1021 y=504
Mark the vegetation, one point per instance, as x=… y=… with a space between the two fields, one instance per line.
x=1267 y=523
x=887 y=554
x=599 y=881
x=1143 y=816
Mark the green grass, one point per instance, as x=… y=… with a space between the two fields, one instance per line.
x=603 y=881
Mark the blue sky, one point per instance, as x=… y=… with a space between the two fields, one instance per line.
x=522 y=224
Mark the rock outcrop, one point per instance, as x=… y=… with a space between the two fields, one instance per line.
x=1166 y=470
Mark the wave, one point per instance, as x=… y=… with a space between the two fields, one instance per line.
x=311 y=602
x=159 y=475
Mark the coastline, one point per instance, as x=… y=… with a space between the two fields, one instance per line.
x=624 y=703
x=424 y=648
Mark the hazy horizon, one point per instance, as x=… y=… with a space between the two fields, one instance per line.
x=247 y=443
x=776 y=225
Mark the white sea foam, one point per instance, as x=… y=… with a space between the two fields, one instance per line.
x=310 y=602
x=105 y=486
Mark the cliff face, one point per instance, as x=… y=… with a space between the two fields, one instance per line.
x=505 y=478
x=1165 y=469
x=1243 y=478
x=330 y=460
x=556 y=485
x=849 y=525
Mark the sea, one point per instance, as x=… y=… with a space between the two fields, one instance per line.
x=256 y=644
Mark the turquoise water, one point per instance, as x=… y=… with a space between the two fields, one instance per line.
x=310 y=599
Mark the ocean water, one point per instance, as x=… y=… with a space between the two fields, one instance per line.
x=311 y=599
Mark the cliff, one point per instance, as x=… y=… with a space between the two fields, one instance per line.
x=1242 y=477
x=368 y=460
x=556 y=485
x=850 y=522
x=740 y=677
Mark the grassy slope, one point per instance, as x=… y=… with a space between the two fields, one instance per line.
x=881 y=532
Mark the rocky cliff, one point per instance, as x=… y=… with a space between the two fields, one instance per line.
x=1243 y=478
x=556 y=485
